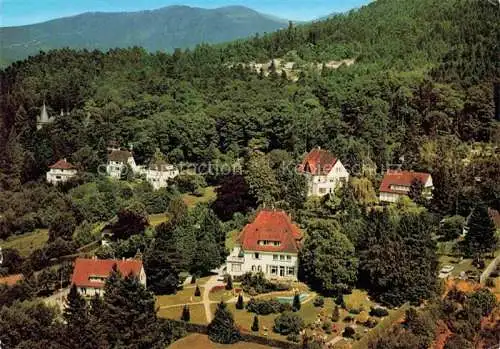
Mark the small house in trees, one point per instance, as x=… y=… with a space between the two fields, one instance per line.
x=397 y=183
x=270 y=244
x=89 y=275
x=325 y=172
x=60 y=172
x=11 y=280
x=44 y=118
x=159 y=172
x=117 y=162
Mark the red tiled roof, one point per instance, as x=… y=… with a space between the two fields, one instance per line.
x=85 y=268
x=62 y=165
x=11 y=280
x=271 y=225
x=403 y=178
x=318 y=161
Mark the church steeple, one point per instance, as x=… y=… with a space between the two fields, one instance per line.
x=44 y=117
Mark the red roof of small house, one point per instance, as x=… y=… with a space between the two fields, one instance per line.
x=11 y=280
x=62 y=165
x=318 y=162
x=402 y=178
x=271 y=225
x=86 y=268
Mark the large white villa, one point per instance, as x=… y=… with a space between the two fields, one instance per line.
x=89 y=275
x=397 y=184
x=60 y=172
x=325 y=172
x=269 y=244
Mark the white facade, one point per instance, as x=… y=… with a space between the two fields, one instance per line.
x=57 y=175
x=320 y=185
x=159 y=176
x=274 y=265
x=403 y=190
x=88 y=291
x=114 y=168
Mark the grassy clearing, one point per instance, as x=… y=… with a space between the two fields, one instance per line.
x=197 y=312
x=358 y=299
x=157 y=219
x=231 y=238
x=202 y=341
x=208 y=195
x=28 y=242
x=184 y=296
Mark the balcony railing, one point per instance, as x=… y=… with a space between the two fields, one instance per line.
x=235 y=259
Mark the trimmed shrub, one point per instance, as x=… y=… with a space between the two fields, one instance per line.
x=354 y=311
x=378 y=312
x=239 y=304
x=197 y=292
x=288 y=323
x=256 y=283
x=186 y=315
x=296 y=302
x=336 y=314
x=327 y=326
x=264 y=307
x=371 y=323
x=255 y=324
x=319 y=301
x=293 y=337
x=229 y=283
x=349 y=332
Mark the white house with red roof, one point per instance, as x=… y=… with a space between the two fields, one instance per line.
x=325 y=172
x=89 y=275
x=61 y=171
x=397 y=184
x=269 y=244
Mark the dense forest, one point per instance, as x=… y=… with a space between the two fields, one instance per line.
x=419 y=95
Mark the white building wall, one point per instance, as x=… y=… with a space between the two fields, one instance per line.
x=55 y=175
x=322 y=185
x=277 y=265
x=159 y=179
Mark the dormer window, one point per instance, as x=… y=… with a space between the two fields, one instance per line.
x=269 y=243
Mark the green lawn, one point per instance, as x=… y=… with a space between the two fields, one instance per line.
x=192 y=200
x=221 y=294
x=196 y=340
x=184 y=296
x=197 y=312
x=28 y=242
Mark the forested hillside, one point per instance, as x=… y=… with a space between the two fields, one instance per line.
x=163 y=29
x=423 y=73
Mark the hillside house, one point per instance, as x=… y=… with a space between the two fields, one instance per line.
x=89 y=275
x=325 y=172
x=117 y=162
x=61 y=172
x=269 y=244
x=159 y=173
x=397 y=184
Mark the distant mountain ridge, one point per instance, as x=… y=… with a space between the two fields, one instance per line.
x=162 y=29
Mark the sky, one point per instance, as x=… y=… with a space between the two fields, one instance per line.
x=21 y=12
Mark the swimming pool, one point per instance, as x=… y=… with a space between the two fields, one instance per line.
x=289 y=300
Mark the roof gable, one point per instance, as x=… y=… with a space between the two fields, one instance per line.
x=62 y=165
x=119 y=156
x=86 y=268
x=271 y=225
x=318 y=162
x=401 y=178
